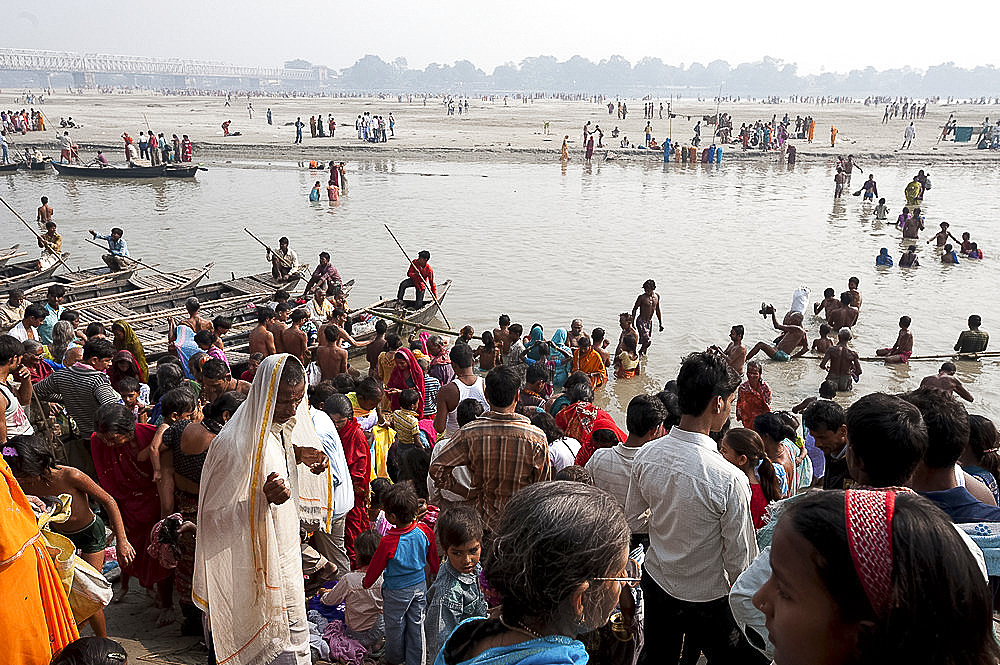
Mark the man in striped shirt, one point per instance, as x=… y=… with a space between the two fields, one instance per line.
x=84 y=387
x=503 y=451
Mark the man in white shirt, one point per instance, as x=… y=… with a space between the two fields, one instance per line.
x=612 y=467
x=27 y=328
x=700 y=531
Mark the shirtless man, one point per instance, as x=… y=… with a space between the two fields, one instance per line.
x=195 y=322
x=331 y=358
x=293 y=339
x=903 y=348
x=736 y=352
x=217 y=379
x=945 y=380
x=647 y=304
x=600 y=343
x=852 y=287
x=845 y=316
x=822 y=343
x=843 y=361
x=501 y=335
x=337 y=321
x=44 y=212
x=279 y=325
x=830 y=302
x=942 y=236
x=262 y=339
x=793 y=337
x=575 y=333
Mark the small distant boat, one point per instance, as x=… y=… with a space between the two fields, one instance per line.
x=95 y=171
x=182 y=170
x=36 y=165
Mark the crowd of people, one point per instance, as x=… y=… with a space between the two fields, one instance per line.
x=460 y=502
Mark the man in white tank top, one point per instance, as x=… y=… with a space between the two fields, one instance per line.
x=465 y=385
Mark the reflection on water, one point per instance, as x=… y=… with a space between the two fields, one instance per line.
x=551 y=242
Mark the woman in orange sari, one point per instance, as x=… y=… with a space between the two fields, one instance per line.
x=590 y=362
x=35 y=617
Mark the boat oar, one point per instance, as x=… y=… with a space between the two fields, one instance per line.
x=284 y=260
x=401 y=321
x=443 y=316
x=136 y=261
x=58 y=256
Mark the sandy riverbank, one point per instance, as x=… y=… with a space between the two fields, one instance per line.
x=489 y=131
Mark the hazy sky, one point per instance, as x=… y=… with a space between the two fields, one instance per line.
x=813 y=35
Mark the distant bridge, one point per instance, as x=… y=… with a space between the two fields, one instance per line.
x=85 y=67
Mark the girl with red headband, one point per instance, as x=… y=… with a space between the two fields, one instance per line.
x=871 y=576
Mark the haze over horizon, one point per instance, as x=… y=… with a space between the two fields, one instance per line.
x=489 y=35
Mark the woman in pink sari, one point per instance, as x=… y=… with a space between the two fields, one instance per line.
x=406 y=374
x=121 y=450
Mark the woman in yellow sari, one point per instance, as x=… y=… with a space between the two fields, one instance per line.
x=565 y=149
x=913 y=192
x=126 y=340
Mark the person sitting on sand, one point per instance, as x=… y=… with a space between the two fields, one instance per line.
x=903 y=347
x=909 y=259
x=945 y=380
x=793 y=337
x=950 y=255
x=844 y=363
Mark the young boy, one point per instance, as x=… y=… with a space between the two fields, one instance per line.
x=35 y=468
x=822 y=343
x=455 y=595
x=128 y=388
x=903 y=348
x=942 y=236
x=175 y=405
x=401 y=557
x=362 y=607
x=881 y=210
x=830 y=302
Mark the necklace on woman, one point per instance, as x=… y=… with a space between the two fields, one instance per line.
x=520 y=628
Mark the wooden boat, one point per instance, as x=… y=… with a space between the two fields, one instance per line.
x=8 y=167
x=10 y=253
x=401 y=310
x=128 y=284
x=36 y=166
x=24 y=274
x=184 y=170
x=94 y=171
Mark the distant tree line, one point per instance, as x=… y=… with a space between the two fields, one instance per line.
x=616 y=75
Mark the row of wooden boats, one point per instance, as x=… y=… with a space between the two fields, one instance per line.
x=183 y=170
x=151 y=300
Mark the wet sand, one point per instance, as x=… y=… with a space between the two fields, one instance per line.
x=490 y=130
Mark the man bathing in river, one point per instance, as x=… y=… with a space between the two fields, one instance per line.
x=843 y=361
x=844 y=316
x=647 y=304
x=736 y=352
x=945 y=380
x=793 y=337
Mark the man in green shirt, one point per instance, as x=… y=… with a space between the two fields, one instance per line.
x=973 y=340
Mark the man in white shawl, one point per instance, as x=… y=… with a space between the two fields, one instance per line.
x=263 y=475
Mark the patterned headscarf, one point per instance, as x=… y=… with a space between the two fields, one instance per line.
x=869 y=535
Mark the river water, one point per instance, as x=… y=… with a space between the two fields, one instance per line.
x=548 y=243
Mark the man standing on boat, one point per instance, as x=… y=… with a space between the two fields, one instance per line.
x=117 y=247
x=418 y=276
x=282 y=261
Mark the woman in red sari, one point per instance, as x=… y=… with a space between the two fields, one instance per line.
x=580 y=419
x=121 y=450
x=753 y=396
x=406 y=374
